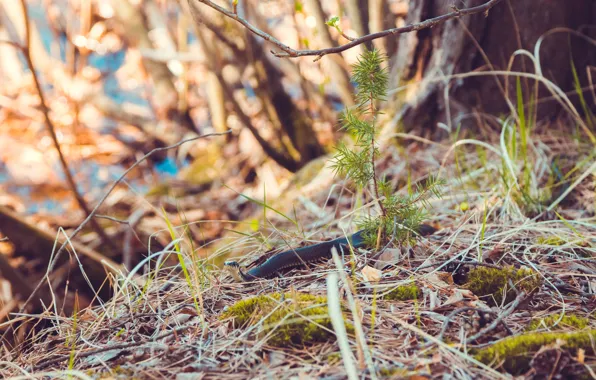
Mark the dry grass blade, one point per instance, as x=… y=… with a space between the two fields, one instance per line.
x=339 y=327
x=354 y=309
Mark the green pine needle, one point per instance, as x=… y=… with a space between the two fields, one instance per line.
x=402 y=215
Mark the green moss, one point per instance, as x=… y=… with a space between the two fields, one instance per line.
x=516 y=352
x=403 y=293
x=551 y=240
x=333 y=358
x=116 y=372
x=491 y=283
x=557 y=241
x=298 y=319
x=395 y=373
x=568 y=321
x=204 y=169
x=159 y=189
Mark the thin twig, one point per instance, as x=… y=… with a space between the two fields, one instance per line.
x=449 y=318
x=520 y=297
x=288 y=52
x=199 y=18
x=26 y=50
x=12 y=43
x=444 y=346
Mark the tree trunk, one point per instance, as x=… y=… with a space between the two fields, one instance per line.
x=339 y=76
x=477 y=43
x=133 y=22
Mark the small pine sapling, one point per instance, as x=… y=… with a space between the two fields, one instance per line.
x=400 y=215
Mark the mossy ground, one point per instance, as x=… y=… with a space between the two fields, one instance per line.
x=297 y=318
x=492 y=284
x=403 y=293
x=114 y=373
x=572 y=321
x=516 y=352
x=290 y=336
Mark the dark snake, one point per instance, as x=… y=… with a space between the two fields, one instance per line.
x=294 y=258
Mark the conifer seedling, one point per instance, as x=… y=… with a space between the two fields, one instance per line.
x=400 y=215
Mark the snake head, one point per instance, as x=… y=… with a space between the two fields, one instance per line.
x=234 y=268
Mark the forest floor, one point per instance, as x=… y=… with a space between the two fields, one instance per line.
x=506 y=285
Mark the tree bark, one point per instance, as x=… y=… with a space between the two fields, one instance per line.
x=478 y=43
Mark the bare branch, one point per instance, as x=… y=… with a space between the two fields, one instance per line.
x=26 y=50
x=288 y=52
x=248 y=26
x=12 y=43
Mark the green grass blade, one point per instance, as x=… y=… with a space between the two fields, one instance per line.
x=265 y=206
x=182 y=261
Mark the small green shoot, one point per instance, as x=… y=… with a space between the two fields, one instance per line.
x=578 y=89
x=400 y=216
x=73 y=348
x=483 y=230
x=333 y=22
x=265 y=206
x=120 y=332
x=182 y=262
x=523 y=132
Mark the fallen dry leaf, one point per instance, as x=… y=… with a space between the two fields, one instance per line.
x=436 y=280
x=371 y=274
x=447 y=277
x=494 y=254
x=389 y=257
x=454 y=298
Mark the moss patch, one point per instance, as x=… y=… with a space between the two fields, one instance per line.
x=568 y=321
x=403 y=293
x=396 y=373
x=551 y=240
x=516 y=352
x=116 y=372
x=491 y=283
x=298 y=318
x=334 y=358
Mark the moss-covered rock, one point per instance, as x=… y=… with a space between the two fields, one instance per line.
x=298 y=318
x=492 y=283
x=575 y=322
x=403 y=293
x=516 y=352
